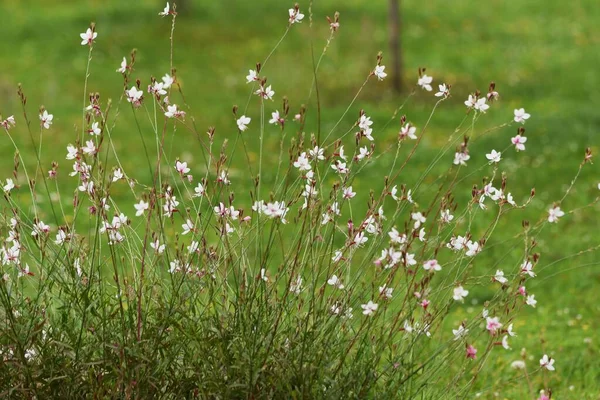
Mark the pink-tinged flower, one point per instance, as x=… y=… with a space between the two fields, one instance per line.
x=123 y=67
x=266 y=93
x=425 y=303
x=522 y=291
x=88 y=37
x=494 y=156
x=519 y=142
x=432 y=265
x=492 y=325
x=46 y=119
x=379 y=72
x=276 y=118
x=459 y=293
x=408 y=131
x=134 y=96
x=425 y=82
x=243 y=122
x=252 y=76
x=165 y=11
x=531 y=301
x=6 y=124
x=521 y=116
x=461 y=158
x=527 y=268
x=369 y=308
x=173 y=112
x=444 y=91
x=360 y=239
x=141 y=207
x=471 y=352
x=543 y=396
x=40 y=228
x=295 y=15
x=348 y=193
x=554 y=214
x=547 y=362
x=181 y=167
x=340 y=167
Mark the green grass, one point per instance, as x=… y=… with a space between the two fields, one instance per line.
x=542 y=55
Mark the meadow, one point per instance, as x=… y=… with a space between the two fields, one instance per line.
x=542 y=55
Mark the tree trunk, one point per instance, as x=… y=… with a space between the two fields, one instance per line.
x=395 y=44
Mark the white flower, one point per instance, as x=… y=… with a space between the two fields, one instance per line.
x=499 y=277
x=46 y=119
x=460 y=332
x=141 y=207
x=296 y=287
x=471 y=101
x=159 y=248
x=418 y=218
x=446 y=217
x=275 y=118
x=360 y=239
x=335 y=282
x=117 y=175
x=243 y=122
x=494 y=156
x=379 y=72
x=165 y=11
x=527 y=268
x=123 y=67
x=459 y=293
x=444 y=91
x=531 y=301
x=554 y=214
x=425 y=82
x=369 y=308
x=295 y=16
x=199 y=190
x=173 y=112
x=40 y=228
x=480 y=105
x=187 y=227
x=9 y=185
x=88 y=37
x=386 y=292
x=252 y=76
x=521 y=116
x=505 y=342
x=518 y=364
x=95 y=129
x=302 y=163
x=134 y=96
x=547 y=362
x=167 y=81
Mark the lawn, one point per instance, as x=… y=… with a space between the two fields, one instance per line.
x=543 y=55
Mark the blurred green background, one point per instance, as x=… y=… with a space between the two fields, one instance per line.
x=544 y=55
